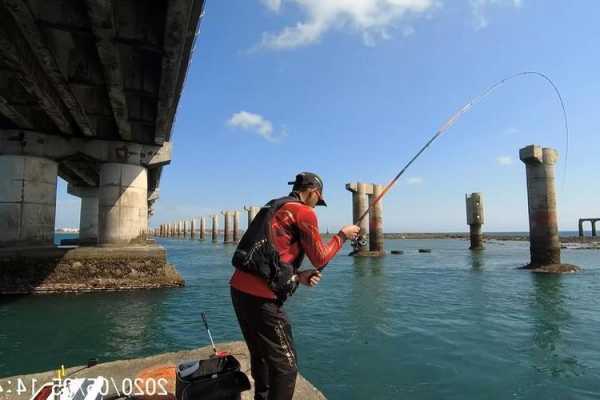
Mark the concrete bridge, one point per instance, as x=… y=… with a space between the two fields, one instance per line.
x=88 y=92
x=592 y=222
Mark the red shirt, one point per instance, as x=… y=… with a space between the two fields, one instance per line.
x=294 y=229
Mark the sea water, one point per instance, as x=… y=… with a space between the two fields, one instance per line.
x=450 y=324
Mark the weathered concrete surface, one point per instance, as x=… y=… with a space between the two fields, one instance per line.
x=360 y=192
x=123 y=203
x=541 y=197
x=131 y=369
x=88 y=218
x=215 y=228
x=227 y=226
x=475 y=218
x=252 y=211
x=54 y=269
x=27 y=200
x=376 y=242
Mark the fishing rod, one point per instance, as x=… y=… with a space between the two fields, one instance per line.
x=361 y=241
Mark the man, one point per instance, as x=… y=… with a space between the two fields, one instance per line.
x=294 y=231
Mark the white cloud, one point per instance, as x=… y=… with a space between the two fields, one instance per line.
x=504 y=160
x=373 y=19
x=415 y=180
x=480 y=10
x=273 y=5
x=255 y=123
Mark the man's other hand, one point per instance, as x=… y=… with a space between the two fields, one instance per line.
x=309 y=277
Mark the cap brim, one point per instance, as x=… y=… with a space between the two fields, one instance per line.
x=321 y=202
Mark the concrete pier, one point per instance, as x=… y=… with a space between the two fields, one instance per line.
x=88 y=218
x=372 y=225
x=215 y=227
x=359 y=206
x=192 y=233
x=27 y=200
x=236 y=226
x=123 y=203
x=592 y=222
x=543 y=219
x=202 y=228
x=252 y=211
x=148 y=370
x=227 y=226
x=475 y=219
x=376 y=243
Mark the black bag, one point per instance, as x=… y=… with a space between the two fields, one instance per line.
x=217 y=378
x=256 y=254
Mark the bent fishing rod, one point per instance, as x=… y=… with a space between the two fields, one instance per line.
x=361 y=242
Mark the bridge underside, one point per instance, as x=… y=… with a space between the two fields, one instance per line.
x=88 y=92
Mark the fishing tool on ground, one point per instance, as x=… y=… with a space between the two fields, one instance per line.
x=217 y=378
x=361 y=241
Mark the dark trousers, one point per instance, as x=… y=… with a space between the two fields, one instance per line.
x=268 y=335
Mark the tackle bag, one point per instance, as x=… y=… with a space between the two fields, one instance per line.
x=217 y=378
x=256 y=254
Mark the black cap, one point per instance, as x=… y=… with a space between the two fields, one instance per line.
x=308 y=180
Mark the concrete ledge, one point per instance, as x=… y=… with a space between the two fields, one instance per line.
x=85 y=269
x=120 y=371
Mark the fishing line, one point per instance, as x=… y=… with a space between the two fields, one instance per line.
x=452 y=120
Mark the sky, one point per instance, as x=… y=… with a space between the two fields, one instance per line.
x=351 y=89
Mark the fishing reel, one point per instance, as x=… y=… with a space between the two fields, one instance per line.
x=359 y=243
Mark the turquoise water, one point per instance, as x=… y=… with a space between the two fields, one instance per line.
x=445 y=325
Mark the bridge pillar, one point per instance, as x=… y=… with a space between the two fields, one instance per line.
x=202 y=228
x=192 y=229
x=359 y=205
x=580 y=228
x=376 y=242
x=123 y=200
x=227 y=234
x=215 y=227
x=27 y=200
x=541 y=196
x=594 y=227
x=88 y=217
x=252 y=211
x=475 y=219
x=236 y=226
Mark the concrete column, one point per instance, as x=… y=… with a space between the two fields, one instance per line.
x=123 y=196
x=192 y=229
x=376 y=243
x=252 y=211
x=227 y=234
x=202 y=228
x=580 y=228
x=593 y=227
x=215 y=227
x=236 y=226
x=88 y=217
x=27 y=200
x=475 y=219
x=541 y=196
x=360 y=192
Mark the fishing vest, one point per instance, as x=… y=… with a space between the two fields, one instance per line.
x=256 y=254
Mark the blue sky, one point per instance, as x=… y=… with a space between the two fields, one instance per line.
x=351 y=89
